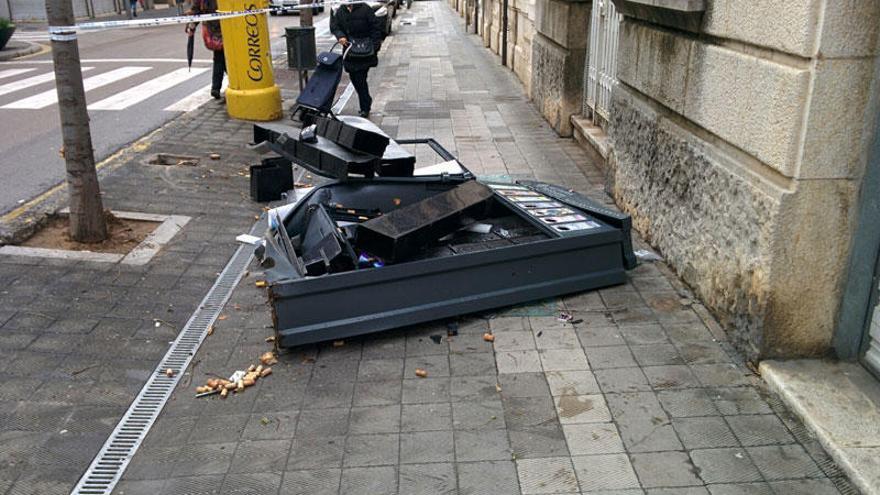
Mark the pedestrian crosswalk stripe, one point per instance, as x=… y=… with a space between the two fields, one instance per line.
x=191 y=102
x=32 y=35
x=116 y=61
x=31 y=81
x=50 y=97
x=141 y=92
x=13 y=72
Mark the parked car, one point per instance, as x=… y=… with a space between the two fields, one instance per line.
x=385 y=10
x=285 y=6
x=388 y=10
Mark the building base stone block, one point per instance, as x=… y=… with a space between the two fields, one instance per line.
x=751 y=247
x=559 y=50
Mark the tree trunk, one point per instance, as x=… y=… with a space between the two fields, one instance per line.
x=305 y=15
x=87 y=223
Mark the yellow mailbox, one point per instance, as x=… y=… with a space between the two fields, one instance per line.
x=252 y=93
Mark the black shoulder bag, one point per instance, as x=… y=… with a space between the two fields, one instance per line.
x=360 y=48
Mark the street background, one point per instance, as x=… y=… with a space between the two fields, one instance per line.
x=136 y=80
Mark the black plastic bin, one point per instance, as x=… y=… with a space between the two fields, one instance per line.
x=271 y=178
x=301 y=52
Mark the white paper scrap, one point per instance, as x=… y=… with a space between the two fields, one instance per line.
x=248 y=239
x=450 y=167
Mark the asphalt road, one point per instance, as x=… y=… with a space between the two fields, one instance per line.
x=136 y=81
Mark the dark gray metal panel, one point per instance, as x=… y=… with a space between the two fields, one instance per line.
x=871 y=353
x=398 y=295
x=855 y=306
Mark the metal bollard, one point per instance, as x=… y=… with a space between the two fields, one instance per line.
x=252 y=93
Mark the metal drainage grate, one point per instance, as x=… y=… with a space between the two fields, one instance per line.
x=107 y=467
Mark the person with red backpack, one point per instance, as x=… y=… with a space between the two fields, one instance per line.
x=213 y=39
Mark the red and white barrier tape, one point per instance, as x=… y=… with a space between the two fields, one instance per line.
x=68 y=33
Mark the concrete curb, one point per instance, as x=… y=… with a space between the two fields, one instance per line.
x=16 y=48
x=836 y=402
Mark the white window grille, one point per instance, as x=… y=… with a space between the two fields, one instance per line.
x=602 y=61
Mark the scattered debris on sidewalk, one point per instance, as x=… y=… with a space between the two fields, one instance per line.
x=238 y=382
x=645 y=255
x=565 y=316
x=488 y=337
x=268 y=358
x=214 y=156
x=249 y=239
x=452 y=329
x=421 y=373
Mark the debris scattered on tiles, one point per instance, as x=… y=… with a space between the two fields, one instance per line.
x=565 y=316
x=268 y=358
x=488 y=337
x=238 y=382
x=421 y=373
x=452 y=329
x=645 y=255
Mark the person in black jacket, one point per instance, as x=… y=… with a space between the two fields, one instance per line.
x=358 y=22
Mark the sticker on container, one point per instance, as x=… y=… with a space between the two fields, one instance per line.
x=545 y=204
x=565 y=219
x=571 y=227
x=552 y=212
x=508 y=186
x=512 y=192
x=523 y=199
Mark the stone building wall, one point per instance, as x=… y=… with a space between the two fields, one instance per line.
x=739 y=146
x=520 y=30
x=559 y=51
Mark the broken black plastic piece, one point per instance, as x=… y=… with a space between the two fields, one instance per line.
x=327 y=158
x=395 y=161
x=324 y=249
x=308 y=134
x=270 y=179
x=405 y=231
x=353 y=134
